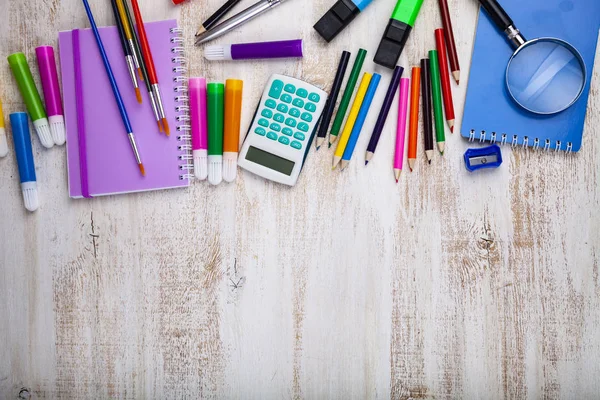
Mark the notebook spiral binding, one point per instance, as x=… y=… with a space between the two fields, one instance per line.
x=182 y=104
x=513 y=141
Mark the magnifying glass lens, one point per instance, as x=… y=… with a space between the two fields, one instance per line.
x=546 y=76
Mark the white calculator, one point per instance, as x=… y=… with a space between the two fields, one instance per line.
x=283 y=129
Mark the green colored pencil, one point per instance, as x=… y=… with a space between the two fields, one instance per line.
x=436 y=91
x=348 y=91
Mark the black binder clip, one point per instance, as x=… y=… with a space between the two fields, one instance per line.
x=485 y=157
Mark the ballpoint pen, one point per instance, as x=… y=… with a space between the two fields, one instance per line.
x=237 y=20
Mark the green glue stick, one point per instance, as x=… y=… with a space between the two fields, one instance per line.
x=436 y=94
x=397 y=32
x=215 y=105
x=31 y=96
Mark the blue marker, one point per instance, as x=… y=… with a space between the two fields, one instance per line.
x=22 y=139
x=360 y=120
x=339 y=16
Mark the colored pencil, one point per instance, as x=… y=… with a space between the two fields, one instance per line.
x=332 y=99
x=217 y=16
x=401 y=129
x=450 y=42
x=413 y=127
x=347 y=96
x=360 y=96
x=149 y=61
x=128 y=48
x=360 y=120
x=115 y=88
x=436 y=94
x=445 y=77
x=427 y=112
x=383 y=114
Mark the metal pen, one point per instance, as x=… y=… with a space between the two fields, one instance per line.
x=237 y=20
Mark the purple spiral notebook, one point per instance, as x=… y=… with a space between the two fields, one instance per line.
x=106 y=153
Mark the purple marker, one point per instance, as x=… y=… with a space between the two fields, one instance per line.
x=47 y=67
x=249 y=51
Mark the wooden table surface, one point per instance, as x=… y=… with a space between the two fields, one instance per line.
x=446 y=285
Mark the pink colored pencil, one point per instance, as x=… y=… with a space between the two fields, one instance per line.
x=401 y=130
x=197 y=94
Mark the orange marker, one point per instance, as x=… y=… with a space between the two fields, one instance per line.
x=231 y=137
x=413 y=127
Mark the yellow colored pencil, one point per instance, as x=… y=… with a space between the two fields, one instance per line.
x=345 y=136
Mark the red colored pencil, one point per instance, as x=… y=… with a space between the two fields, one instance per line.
x=450 y=42
x=445 y=77
x=149 y=61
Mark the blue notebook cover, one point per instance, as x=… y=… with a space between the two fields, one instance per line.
x=490 y=113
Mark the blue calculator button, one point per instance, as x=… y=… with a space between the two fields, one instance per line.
x=270 y=103
x=275 y=127
x=290 y=88
x=284 y=140
x=263 y=122
x=303 y=127
x=294 y=112
x=306 y=117
x=282 y=108
x=272 y=135
x=276 y=88
x=310 y=107
x=298 y=102
x=260 y=131
x=279 y=118
x=314 y=97
x=296 y=145
x=286 y=98
x=287 y=131
x=299 y=136
x=266 y=113
x=302 y=93
x=290 y=122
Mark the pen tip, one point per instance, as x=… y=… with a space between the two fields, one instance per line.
x=142 y=170
x=138 y=95
x=166 y=126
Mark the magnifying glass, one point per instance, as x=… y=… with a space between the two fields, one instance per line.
x=545 y=75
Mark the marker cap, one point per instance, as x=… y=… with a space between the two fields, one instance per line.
x=49 y=77
x=392 y=43
x=22 y=141
x=336 y=19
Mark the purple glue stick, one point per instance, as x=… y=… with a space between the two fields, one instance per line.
x=49 y=76
x=250 y=51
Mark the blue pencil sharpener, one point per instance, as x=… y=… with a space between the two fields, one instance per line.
x=485 y=157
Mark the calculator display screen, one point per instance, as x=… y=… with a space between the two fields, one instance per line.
x=270 y=160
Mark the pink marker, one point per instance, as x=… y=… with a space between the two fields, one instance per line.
x=401 y=130
x=49 y=77
x=197 y=93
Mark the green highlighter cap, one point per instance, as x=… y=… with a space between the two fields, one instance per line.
x=215 y=104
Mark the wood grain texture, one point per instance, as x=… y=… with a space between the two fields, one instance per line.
x=447 y=285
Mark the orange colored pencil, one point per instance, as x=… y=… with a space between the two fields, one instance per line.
x=413 y=127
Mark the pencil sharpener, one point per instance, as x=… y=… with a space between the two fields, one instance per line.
x=485 y=157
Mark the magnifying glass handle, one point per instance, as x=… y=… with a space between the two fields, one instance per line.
x=503 y=21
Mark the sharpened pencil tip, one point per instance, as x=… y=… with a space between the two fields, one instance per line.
x=166 y=126
x=142 y=170
x=201 y=30
x=318 y=147
x=397 y=180
x=452 y=129
x=429 y=162
x=329 y=145
x=366 y=163
x=138 y=95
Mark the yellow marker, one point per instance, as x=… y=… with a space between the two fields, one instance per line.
x=3 y=144
x=231 y=136
x=345 y=136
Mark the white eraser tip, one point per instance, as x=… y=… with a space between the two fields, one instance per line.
x=200 y=164
x=215 y=169
x=3 y=143
x=57 y=129
x=30 y=195
x=43 y=131
x=230 y=167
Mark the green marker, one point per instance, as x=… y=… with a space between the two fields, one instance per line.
x=31 y=96
x=397 y=32
x=348 y=91
x=436 y=91
x=215 y=104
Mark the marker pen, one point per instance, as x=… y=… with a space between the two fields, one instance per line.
x=31 y=96
x=338 y=17
x=397 y=32
x=22 y=140
x=3 y=144
x=47 y=68
x=214 y=96
x=233 y=116
x=254 y=51
x=197 y=94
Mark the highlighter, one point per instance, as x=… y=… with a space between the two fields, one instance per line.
x=397 y=32
x=31 y=96
x=338 y=17
x=214 y=99
x=22 y=140
x=233 y=116
x=47 y=68
x=3 y=144
x=197 y=95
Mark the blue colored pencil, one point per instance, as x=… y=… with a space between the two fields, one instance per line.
x=360 y=120
x=115 y=88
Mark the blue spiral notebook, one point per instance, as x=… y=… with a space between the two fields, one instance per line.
x=490 y=113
